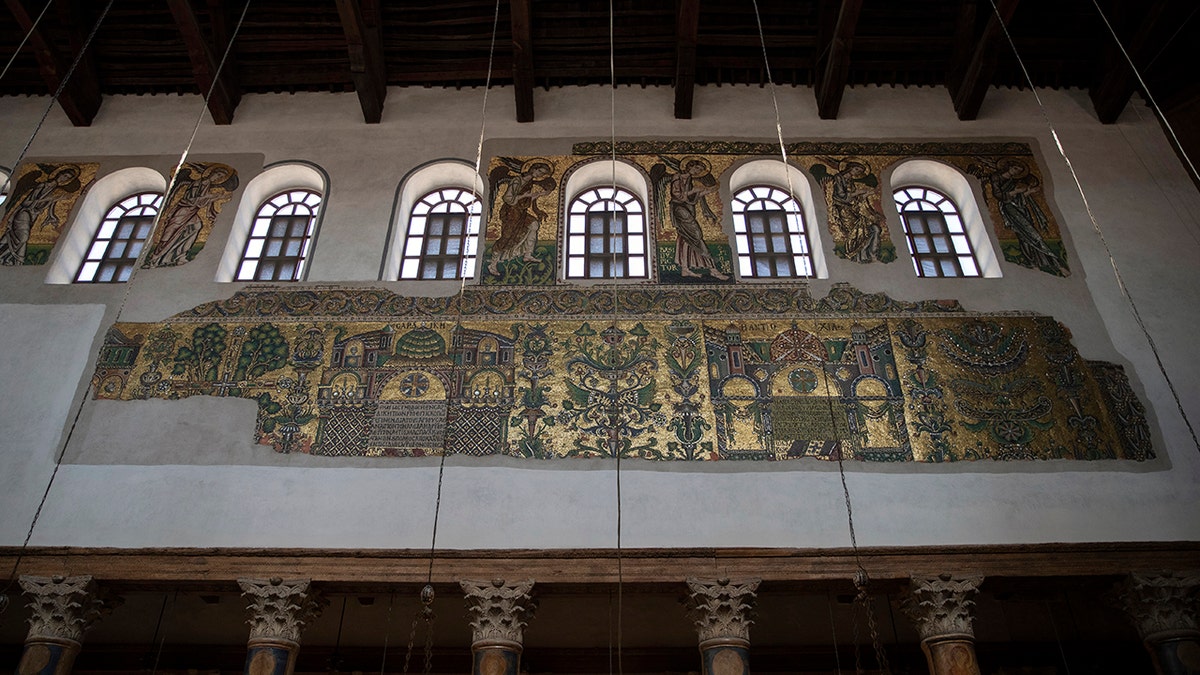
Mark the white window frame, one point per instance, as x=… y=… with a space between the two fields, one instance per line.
x=275 y=179
x=952 y=183
x=107 y=235
x=73 y=246
x=792 y=181
x=428 y=178
x=606 y=175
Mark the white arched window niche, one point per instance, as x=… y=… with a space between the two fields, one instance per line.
x=275 y=230
x=931 y=195
x=606 y=231
x=435 y=231
x=109 y=196
x=775 y=233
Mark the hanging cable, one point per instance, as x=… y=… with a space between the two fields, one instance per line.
x=62 y=85
x=861 y=579
x=387 y=633
x=1133 y=308
x=160 y=636
x=12 y=576
x=1137 y=73
x=28 y=34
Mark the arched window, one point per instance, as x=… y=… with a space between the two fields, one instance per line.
x=606 y=236
x=442 y=237
x=935 y=232
x=119 y=240
x=279 y=240
x=769 y=232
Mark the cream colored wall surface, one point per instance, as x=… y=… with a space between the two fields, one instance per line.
x=185 y=473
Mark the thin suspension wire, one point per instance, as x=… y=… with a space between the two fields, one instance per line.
x=133 y=272
x=1058 y=638
x=837 y=657
x=1145 y=89
x=1133 y=308
x=28 y=34
x=861 y=578
x=62 y=85
x=616 y=448
x=387 y=632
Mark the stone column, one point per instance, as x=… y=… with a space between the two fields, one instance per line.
x=723 y=613
x=499 y=614
x=279 y=612
x=941 y=607
x=61 y=611
x=1165 y=609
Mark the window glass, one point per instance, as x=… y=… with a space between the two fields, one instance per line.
x=119 y=239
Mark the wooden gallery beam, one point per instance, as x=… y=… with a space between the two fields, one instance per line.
x=221 y=567
x=522 y=43
x=80 y=97
x=205 y=61
x=687 y=26
x=832 y=80
x=968 y=89
x=363 y=25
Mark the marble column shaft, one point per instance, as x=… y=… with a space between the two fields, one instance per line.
x=1165 y=608
x=61 y=611
x=499 y=613
x=942 y=609
x=723 y=611
x=279 y=612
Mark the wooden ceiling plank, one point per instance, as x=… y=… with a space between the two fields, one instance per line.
x=522 y=44
x=362 y=22
x=226 y=94
x=1117 y=83
x=832 y=80
x=969 y=91
x=687 y=27
x=80 y=98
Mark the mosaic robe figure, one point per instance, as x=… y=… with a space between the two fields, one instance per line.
x=855 y=221
x=1013 y=188
x=685 y=191
x=203 y=194
x=34 y=195
x=520 y=215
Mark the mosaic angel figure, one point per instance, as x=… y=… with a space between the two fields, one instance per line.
x=199 y=195
x=34 y=198
x=857 y=225
x=516 y=188
x=1013 y=187
x=681 y=191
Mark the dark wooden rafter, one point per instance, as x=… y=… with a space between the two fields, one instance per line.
x=832 y=76
x=968 y=91
x=1117 y=82
x=522 y=41
x=205 y=60
x=363 y=24
x=687 y=26
x=80 y=98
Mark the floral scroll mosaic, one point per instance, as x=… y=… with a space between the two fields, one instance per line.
x=704 y=373
x=527 y=195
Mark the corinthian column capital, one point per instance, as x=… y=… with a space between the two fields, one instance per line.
x=1161 y=605
x=722 y=609
x=64 y=608
x=942 y=606
x=280 y=610
x=499 y=611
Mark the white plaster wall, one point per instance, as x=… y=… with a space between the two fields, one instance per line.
x=168 y=486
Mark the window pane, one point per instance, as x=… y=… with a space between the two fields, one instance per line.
x=254 y=248
x=246 y=271
x=274 y=246
x=928 y=268
x=949 y=269
x=960 y=244
x=97 y=250
x=921 y=244
x=637 y=266
x=941 y=243
x=293 y=248
x=409 y=269
x=88 y=271
x=968 y=265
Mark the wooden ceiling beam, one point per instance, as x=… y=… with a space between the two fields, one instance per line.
x=80 y=98
x=687 y=27
x=831 y=81
x=522 y=46
x=968 y=91
x=1117 y=82
x=226 y=94
x=362 y=22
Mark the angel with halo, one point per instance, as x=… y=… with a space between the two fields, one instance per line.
x=516 y=187
x=681 y=187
